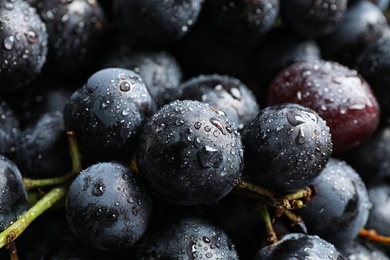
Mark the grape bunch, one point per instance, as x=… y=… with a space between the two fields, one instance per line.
x=220 y=129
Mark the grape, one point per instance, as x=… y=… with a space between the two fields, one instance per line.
x=157 y=22
x=188 y=237
x=9 y=129
x=223 y=92
x=340 y=205
x=75 y=29
x=313 y=18
x=338 y=94
x=107 y=207
x=286 y=147
x=112 y=106
x=350 y=39
x=42 y=149
x=158 y=69
x=23 y=40
x=242 y=22
x=190 y=153
x=300 y=246
x=13 y=194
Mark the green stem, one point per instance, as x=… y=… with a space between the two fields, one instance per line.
x=74 y=152
x=256 y=189
x=12 y=232
x=268 y=223
x=37 y=183
x=303 y=193
x=295 y=219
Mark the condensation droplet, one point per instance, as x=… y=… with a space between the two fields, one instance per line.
x=218 y=124
x=31 y=37
x=124 y=86
x=300 y=139
x=8 y=42
x=236 y=93
x=99 y=189
x=197 y=125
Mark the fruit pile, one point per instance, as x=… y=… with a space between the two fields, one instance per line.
x=203 y=129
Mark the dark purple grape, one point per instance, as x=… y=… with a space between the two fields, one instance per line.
x=157 y=22
x=374 y=65
x=371 y=159
x=75 y=29
x=360 y=249
x=46 y=94
x=280 y=49
x=313 y=18
x=351 y=38
x=338 y=94
x=159 y=70
x=242 y=22
x=190 y=153
x=23 y=40
x=42 y=150
x=186 y=237
x=108 y=207
x=13 y=195
x=300 y=246
x=286 y=147
x=340 y=205
x=225 y=93
x=379 y=216
x=9 y=130
x=381 y=4
x=107 y=113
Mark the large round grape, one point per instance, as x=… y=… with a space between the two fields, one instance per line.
x=337 y=93
x=107 y=207
x=286 y=147
x=340 y=205
x=190 y=153
x=107 y=113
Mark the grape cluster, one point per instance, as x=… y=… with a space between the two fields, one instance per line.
x=221 y=129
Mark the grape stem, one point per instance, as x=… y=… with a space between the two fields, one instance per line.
x=372 y=235
x=38 y=183
x=268 y=223
x=287 y=201
x=74 y=151
x=12 y=251
x=76 y=167
x=13 y=231
x=244 y=185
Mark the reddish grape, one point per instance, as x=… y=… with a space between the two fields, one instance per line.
x=338 y=94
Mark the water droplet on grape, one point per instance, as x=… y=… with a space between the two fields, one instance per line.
x=197 y=125
x=209 y=157
x=8 y=42
x=124 y=86
x=236 y=93
x=218 y=124
x=32 y=37
x=294 y=118
x=98 y=189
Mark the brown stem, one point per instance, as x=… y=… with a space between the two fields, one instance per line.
x=372 y=235
x=12 y=250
